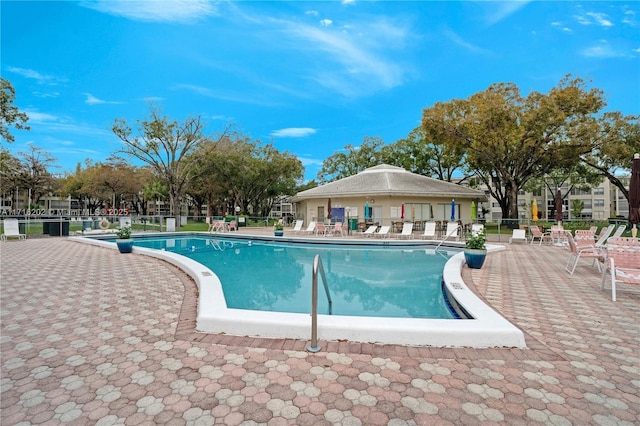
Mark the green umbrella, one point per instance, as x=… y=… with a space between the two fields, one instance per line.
x=473 y=211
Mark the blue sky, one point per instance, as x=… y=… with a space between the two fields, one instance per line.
x=310 y=77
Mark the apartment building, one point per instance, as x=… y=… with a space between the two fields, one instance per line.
x=597 y=203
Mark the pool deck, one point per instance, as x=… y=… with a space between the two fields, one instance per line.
x=90 y=336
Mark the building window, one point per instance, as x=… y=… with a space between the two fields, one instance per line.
x=598 y=191
x=598 y=202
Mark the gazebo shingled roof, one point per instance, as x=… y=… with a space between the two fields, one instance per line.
x=385 y=179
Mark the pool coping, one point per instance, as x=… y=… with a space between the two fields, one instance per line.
x=487 y=328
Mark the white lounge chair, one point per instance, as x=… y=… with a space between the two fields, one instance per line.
x=619 y=231
x=407 y=231
x=623 y=262
x=518 y=235
x=371 y=230
x=311 y=228
x=12 y=229
x=298 y=226
x=383 y=232
x=605 y=233
x=452 y=231
x=476 y=228
x=429 y=231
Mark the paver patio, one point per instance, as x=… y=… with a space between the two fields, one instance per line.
x=90 y=336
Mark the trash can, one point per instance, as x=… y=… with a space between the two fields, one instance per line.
x=242 y=221
x=353 y=224
x=45 y=225
x=86 y=225
x=59 y=228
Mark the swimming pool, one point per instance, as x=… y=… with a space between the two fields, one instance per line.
x=372 y=281
x=484 y=328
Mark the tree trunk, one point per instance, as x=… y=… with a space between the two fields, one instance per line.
x=512 y=196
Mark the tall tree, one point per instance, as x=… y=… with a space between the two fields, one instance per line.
x=351 y=160
x=252 y=173
x=509 y=139
x=165 y=145
x=426 y=151
x=618 y=138
x=10 y=115
x=34 y=172
x=9 y=172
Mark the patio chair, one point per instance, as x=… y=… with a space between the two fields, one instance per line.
x=335 y=230
x=232 y=226
x=383 y=232
x=605 y=233
x=558 y=237
x=407 y=231
x=619 y=231
x=217 y=226
x=537 y=235
x=623 y=262
x=371 y=230
x=586 y=234
x=320 y=229
x=12 y=229
x=429 y=230
x=518 y=235
x=311 y=228
x=582 y=249
x=476 y=228
x=452 y=230
x=298 y=226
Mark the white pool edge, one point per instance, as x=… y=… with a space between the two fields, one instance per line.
x=487 y=328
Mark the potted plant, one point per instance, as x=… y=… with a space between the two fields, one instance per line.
x=278 y=229
x=124 y=240
x=476 y=250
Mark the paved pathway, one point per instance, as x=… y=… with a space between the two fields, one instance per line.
x=89 y=336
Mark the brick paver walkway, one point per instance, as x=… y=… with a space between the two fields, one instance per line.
x=89 y=336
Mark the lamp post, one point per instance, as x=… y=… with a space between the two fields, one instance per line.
x=237 y=213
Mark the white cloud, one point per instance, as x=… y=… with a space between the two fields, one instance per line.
x=348 y=2
x=249 y=98
x=603 y=50
x=629 y=18
x=357 y=63
x=35 y=75
x=591 y=18
x=463 y=43
x=601 y=19
x=561 y=26
x=312 y=12
x=39 y=117
x=50 y=123
x=92 y=100
x=46 y=94
x=502 y=10
x=293 y=132
x=326 y=22
x=181 y=11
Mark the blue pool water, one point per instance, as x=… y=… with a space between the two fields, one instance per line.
x=363 y=280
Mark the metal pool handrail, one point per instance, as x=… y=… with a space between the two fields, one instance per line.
x=317 y=266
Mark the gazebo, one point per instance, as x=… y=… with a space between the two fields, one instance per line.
x=387 y=195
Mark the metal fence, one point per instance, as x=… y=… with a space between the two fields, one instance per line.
x=51 y=226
